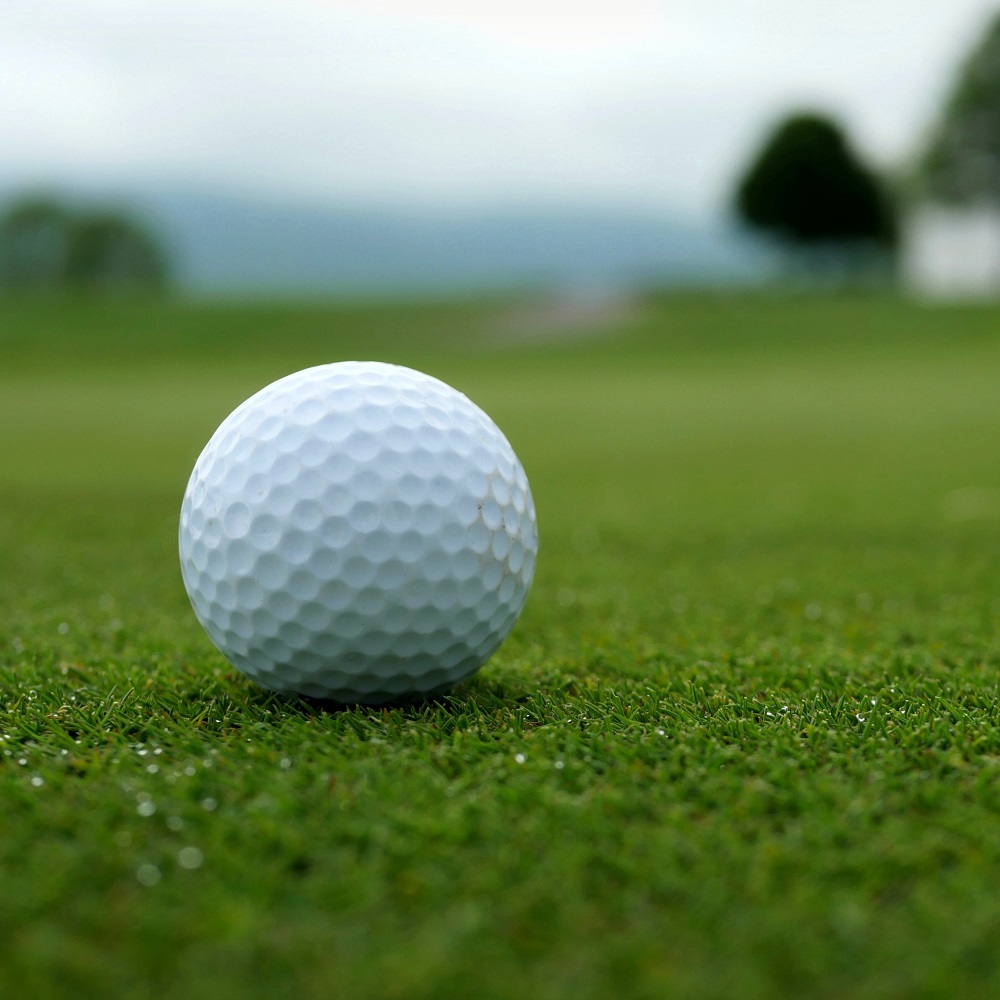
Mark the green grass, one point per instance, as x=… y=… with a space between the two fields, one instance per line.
x=744 y=742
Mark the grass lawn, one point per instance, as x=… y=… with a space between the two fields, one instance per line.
x=744 y=742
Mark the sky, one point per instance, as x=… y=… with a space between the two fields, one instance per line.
x=654 y=104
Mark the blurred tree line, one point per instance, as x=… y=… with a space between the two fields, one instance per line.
x=808 y=187
x=962 y=163
x=46 y=245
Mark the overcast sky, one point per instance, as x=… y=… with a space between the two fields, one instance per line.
x=642 y=102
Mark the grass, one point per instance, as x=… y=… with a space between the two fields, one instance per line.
x=743 y=742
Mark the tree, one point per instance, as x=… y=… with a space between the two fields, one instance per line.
x=107 y=251
x=34 y=245
x=962 y=163
x=45 y=245
x=809 y=188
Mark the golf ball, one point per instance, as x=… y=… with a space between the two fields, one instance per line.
x=359 y=532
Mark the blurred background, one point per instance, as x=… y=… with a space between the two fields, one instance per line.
x=724 y=272
x=429 y=147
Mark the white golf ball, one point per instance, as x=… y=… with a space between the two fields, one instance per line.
x=359 y=532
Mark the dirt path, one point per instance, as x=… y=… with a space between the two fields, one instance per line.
x=565 y=317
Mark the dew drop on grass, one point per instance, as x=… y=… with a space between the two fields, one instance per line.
x=520 y=758
x=190 y=858
x=559 y=765
x=565 y=597
x=284 y=763
x=146 y=808
x=148 y=875
x=209 y=805
x=37 y=781
x=63 y=628
x=175 y=823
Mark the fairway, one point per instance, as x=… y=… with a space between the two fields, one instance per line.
x=744 y=741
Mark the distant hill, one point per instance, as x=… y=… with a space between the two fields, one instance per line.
x=223 y=244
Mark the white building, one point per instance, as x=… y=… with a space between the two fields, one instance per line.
x=951 y=252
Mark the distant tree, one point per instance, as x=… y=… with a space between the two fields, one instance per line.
x=108 y=251
x=962 y=163
x=48 y=246
x=34 y=244
x=808 y=187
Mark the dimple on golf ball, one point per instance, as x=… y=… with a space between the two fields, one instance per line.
x=359 y=532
